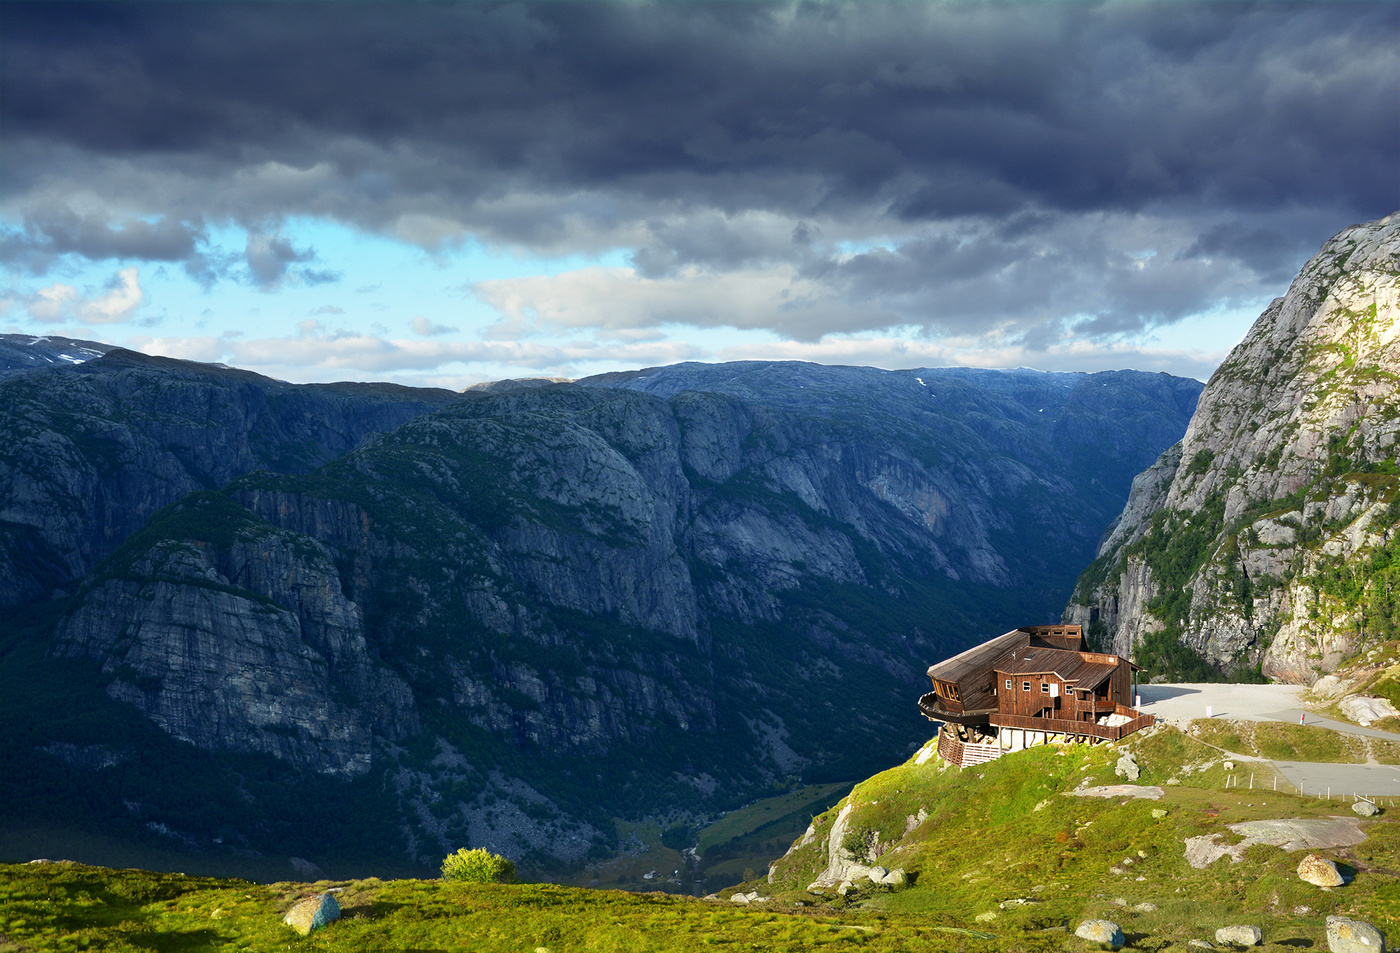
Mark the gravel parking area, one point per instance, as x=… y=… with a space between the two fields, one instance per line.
x=1183 y=701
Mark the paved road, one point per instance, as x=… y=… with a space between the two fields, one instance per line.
x=1342 y=780
x=1181 y=702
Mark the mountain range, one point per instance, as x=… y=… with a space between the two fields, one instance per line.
x=516 y=616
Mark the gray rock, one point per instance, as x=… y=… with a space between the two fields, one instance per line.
x=1200 y=944
x=1101 y=931
x=1261 y=429
x=1364 y=709
x=313 y=913
x=1319 y=871
x=1145 y=908
x=1365 y=809
x=1240 y=935
x=1330 y=686
x=1345 y=935
x=305 y=868
x=894 y=879
x=1127 y=767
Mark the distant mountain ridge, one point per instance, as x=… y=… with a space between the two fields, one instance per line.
x=23 y=351
x=89 y=449
x=507 y=617
x=1266 y=539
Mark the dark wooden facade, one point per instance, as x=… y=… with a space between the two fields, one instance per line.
x=1039 y=679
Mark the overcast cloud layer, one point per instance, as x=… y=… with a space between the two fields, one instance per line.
x=899 y=184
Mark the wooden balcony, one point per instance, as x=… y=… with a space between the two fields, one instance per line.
x=935 y=707
x=1083 y=729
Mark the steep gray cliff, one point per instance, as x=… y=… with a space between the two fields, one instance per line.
x=247 y=643
x=1266 y=538
x=89 y=450
x=542 y=607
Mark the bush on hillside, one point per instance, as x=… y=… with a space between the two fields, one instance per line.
x=478 y=866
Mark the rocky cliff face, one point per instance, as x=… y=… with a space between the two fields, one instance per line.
x=92 y=444
x=245 y=642
x=542 y=607
x=1266 y=538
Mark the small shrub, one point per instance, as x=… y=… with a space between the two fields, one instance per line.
x=478 y=866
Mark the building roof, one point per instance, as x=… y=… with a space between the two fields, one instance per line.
x=979 y=657
x=1081 y=668
x=1019 y=653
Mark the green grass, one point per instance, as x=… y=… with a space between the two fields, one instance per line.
x=1281 y=742
x=1005 y=831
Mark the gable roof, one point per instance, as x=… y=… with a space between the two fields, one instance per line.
x=1080 y=668
x=978 y=657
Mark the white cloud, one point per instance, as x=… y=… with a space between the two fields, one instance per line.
x=426 y=328
x=617 y=300
x=315 y=354
x=52 y=303
x=59 y=303
x=116 y=303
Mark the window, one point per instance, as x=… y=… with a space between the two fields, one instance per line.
x=1008 y=684
x=1025 y=686
x=1044 y=688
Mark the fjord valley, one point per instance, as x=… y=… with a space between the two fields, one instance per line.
x=521 y=616
x=564 y=621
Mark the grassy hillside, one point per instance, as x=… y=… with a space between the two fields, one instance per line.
x=1003 y=859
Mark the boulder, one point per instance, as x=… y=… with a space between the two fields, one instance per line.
x=1319 y=871
x=1127 y=767
x=1101 y=931
x=895 y=878
x=1145 y=908
x=313 y=913
x=1365 y=809
x=1330 y=686
x=1363 y=709
x=1240 y=935
x=1353 y=936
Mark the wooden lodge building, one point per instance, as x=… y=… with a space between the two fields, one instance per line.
x=1033 y=685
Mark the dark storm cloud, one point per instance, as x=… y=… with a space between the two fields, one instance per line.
x=271 y=256
x=672 y=127
x=50 y=232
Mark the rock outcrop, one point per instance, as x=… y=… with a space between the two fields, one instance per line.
x=1266 y=538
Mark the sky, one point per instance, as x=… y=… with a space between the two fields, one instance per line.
x=441 y=194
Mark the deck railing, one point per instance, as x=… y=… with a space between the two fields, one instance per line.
x=953 y=751
x=1086 y=729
